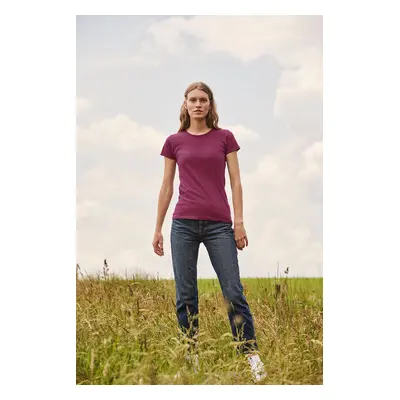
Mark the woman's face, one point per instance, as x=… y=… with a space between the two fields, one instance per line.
x=198 y=104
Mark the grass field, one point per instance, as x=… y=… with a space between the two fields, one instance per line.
x=126 y=332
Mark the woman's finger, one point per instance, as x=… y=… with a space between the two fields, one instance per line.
x=240 y=243
x=161 y=248
x=158 y=248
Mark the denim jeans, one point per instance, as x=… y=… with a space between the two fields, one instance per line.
x=218 y=238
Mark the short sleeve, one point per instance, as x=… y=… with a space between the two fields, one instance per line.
x=167 y=150
x=231 y=143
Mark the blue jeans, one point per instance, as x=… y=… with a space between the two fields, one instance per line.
x=219 y=240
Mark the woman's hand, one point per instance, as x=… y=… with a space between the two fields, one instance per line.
x=158 y=244
x=240 y=236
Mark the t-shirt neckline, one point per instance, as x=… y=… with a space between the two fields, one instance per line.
x=203 y=134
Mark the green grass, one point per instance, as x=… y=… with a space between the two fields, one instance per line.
x=127 y=332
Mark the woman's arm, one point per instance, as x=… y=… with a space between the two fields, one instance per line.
x=237 y=198
x=236 y=186
x=166 y=192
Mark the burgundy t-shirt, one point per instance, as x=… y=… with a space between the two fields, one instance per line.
x=201 y=162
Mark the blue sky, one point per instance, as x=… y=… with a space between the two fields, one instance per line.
x=266 y=74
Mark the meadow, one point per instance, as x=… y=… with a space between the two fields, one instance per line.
x=126 y=332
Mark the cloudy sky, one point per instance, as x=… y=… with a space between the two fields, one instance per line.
x=266 y=74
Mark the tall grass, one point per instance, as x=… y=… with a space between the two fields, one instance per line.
x=127 y=332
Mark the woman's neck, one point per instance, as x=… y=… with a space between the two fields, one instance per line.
x=198 y=126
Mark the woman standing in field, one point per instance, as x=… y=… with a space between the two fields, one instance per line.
x=202 y=215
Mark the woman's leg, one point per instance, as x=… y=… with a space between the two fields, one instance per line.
x=185 y=249
x=219 y=240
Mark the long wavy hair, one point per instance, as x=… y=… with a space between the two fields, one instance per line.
x=212 y=116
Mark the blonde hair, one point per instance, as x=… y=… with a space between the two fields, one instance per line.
x=212 y=116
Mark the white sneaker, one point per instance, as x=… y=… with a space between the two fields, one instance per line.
x=257 y=367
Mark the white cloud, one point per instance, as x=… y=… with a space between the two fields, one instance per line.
x=120 y=133
x=312 y=168
x=291 y=246
x=116 y=202
x=299 y=87
x=87 y=209
x=243 y=37
x=83 y=105
x=280 y=216
x=166 y=36
x=242 y=133
x=294 y=41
